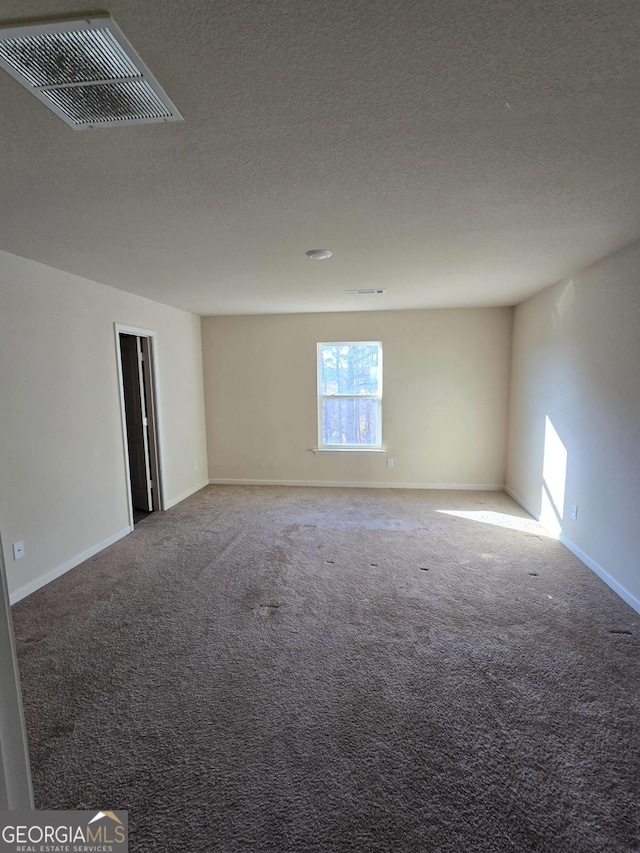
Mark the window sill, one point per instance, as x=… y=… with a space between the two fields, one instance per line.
x=338 y=449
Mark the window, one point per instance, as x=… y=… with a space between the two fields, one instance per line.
x=350 y=395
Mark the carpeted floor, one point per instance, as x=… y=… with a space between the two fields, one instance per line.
x=288 y=669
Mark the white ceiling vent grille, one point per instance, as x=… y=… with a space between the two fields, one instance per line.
x=367 y=291
x=86 y=72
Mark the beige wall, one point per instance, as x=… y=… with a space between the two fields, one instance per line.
x=446 y=376
x=576 y=362
x=62 y=471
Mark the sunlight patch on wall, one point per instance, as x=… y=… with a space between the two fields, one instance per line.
x=554 y=478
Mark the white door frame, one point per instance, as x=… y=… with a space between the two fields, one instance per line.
x=150 y=334
x=15 y=773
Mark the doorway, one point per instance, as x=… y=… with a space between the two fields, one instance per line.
x=139 y=418
x=15 y=774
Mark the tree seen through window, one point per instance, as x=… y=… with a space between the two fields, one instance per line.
x=350 y=394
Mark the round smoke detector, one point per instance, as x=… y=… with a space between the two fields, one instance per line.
x=318 y=254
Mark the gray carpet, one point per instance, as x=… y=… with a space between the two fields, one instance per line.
x=284 y=669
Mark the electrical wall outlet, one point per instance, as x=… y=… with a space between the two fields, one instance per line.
x=574 y=512
x=18 y=550
x=389 y=463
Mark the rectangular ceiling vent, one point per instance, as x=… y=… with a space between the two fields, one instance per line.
x=86 y=72
x=365 y=292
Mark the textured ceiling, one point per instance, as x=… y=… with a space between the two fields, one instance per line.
x=454 y=153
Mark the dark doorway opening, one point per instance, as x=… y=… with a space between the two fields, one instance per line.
x=141 y=431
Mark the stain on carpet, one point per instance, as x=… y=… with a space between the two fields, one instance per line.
x=266 y=610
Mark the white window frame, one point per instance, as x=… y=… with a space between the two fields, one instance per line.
x=358 y=448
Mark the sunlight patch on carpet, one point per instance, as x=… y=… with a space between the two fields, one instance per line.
x=501 y=519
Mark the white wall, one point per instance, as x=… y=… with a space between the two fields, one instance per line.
x=63 y=483
x=446 y=377
x=576 y=362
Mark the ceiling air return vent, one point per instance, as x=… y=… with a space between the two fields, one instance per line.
x=86 y=72
x=368 y=291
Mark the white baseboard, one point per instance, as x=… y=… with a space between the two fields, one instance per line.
x=185 y=495
x=525 y=506
x=51 y=575
x=596 y=568
x=337 y=484
x=603 y=574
